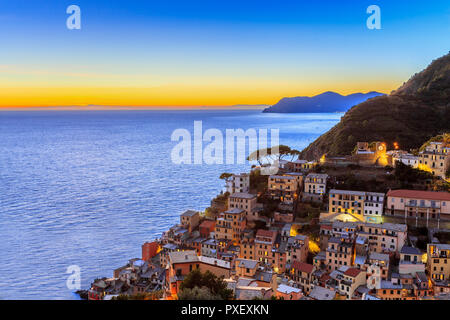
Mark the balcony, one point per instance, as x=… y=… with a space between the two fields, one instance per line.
x=422 y=205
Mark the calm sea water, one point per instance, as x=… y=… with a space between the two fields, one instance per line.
x=87 y=188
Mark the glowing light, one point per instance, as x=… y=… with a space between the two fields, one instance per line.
x=424 y=167
x=322 y=159
x=313 y=247
x=424 y=258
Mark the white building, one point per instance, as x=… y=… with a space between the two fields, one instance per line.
x=373 y=206
x=405 y=158
x=238 y=183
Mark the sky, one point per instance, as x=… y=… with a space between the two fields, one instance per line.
x=211 y=53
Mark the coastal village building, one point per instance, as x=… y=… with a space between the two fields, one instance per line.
x=206 y=228
x=181 y=263
x=302 y=274
x=360 y=205
x=210 y=248
x=297 y=248
x=246 y=202
x=410 y=261
x=365 y=154
x=383 y=237
x=286 y=292
x=405 y=158
x=340 y=252
x=435 y=159
x=298 y=175
x=382 y=263
x=238 y=183
x=150 y=250
x=248 y=249
x=375 y=154
x=264 y=243
x=373 y=206
x=424 y=206
x=230 y=225
x=300 y=165
x=190 y=219
x=345 y=201
x=283 y=188
x=350 y=280
x=438 y=262
x=315 y=187
x=247 y=267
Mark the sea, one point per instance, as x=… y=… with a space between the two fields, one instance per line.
x=87 y=188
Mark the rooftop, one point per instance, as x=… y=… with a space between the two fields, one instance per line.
x=189 y=213
x=320 y=293
x=265 y=233
x=441 y=246
x=234 y=211
x=417 y=194
x=183 y=256
x=303 y=267
x=282 y=177
x=288 y=289
x=317 y=175
x=410 y=250
x=350 y=192
x=243 y=195
x=352 y=272
x=207 y=224
x=247 y=263
x=294 y=174
x=379 y=256
x=215 y=262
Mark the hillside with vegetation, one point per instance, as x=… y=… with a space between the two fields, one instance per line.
x=325 y=102
x=411 y=115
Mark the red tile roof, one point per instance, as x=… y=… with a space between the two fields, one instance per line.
x=303 y=267
x=325 y=277
x=352 y=272
x=208 y=224
x=265 y=233
x=418 y=194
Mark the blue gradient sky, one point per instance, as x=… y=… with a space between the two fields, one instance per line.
x=211 y=52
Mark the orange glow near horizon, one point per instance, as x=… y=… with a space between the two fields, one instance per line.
x=228 y=92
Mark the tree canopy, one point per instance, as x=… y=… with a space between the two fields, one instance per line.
x=270 y=154
x=225 y=175
x=197 y=284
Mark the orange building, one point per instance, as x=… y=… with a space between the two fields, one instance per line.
x=230 y=225
x=149 y=250
x=182 y=263
x=264 y=243
x=206 y=227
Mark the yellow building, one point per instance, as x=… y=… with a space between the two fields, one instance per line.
x=230 y=225
x=435 y=159
x=346 y=201
x=316 y=183
x=283 y=188
x=438 y=261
